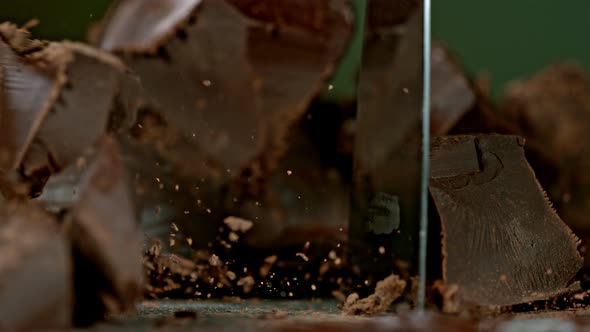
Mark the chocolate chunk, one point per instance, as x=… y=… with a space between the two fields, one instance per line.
x=106 y=239
x=386 y=291
x=45 y=89
x=293 y=50
x=270 y=75
x=86 y=102
x=503 y=244
x=28 y=93
x=199 y=78
x=35 y=270
x=320 y=17
x=143 y=26
x=452 y=95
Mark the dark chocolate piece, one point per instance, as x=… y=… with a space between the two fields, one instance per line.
x=242 y=77
x=28 y=94
x=45 y=89
x=199 y=78
x=35 y=269
x=87 y=103
x=105 y=235
x=451 y=96
x=503 y=244
x=293 y=51
x=143 y=26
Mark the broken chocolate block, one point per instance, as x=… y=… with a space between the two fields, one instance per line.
x=502 y=242
x=193 y=63
x=35 y=270
x=28 y=93
x=105 y=235
x=260 y=73
x=293 y=48
x=46 y=89
x=89 y=103
x=451 y=95
x=304 y=200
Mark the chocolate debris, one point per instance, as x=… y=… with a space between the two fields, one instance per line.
x=386 y=291
x=503 y=244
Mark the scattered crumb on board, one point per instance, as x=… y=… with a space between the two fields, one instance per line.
x=386 y=291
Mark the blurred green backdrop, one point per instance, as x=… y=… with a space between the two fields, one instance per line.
x=505 y=39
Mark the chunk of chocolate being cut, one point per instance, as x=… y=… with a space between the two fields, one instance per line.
x=502 y=242
x=192 y=59
x=105 y=235
x=35 y=270
x=46 y=88
x=26 y=95
x=260 y=68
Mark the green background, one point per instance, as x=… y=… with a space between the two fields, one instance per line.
x=504 y=39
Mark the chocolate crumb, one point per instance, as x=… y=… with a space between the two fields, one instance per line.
x=386 y=291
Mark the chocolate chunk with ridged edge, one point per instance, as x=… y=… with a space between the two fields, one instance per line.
x=502 y=242
x=45 y=89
